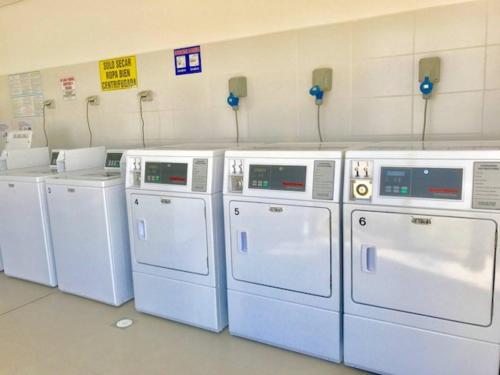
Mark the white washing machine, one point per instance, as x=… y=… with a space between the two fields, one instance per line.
x=421 y=280
x=88 y=217
x=25 y=237
x=174 y=199
x=22 y=158
x=283 y=254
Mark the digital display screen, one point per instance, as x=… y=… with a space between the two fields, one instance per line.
x=393 y=173
x=53 y=158
x=166 y=173
x=434 y=183
x=113 y=159
x=277 y=177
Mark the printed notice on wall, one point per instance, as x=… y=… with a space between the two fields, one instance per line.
x=119 y=73
x=68 y=87
x=187 y=60
x=486 y=193
x=26 y=94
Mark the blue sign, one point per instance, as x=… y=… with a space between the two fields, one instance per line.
x=187 y=60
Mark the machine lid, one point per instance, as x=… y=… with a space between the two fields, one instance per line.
x=88 y=177
x=34 y=174
x=92 y=176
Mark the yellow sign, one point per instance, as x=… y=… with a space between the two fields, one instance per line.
x=118 y=74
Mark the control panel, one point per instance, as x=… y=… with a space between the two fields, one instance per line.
x=277 y=177
x=166 y=173
x=433 y=183
x=180 y=174
x=113 y=159
x=362 y=179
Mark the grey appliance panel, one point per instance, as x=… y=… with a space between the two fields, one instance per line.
x=277 y=177
x=166 y=173
x=432 y=183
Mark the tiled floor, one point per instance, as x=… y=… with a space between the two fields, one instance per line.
x=46 y=332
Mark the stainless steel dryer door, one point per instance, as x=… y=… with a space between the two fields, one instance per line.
x=170 y=232
x=282 y=246
x=437 y=266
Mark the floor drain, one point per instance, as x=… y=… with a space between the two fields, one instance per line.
x=124 y=323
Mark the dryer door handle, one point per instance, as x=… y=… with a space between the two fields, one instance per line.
x=368 y=258
x=141 y=229
x=242 y=242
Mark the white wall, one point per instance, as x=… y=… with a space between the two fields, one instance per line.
x=37 y=34
x=375 y=91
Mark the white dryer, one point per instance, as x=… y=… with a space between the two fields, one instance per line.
x=283 y=255
x=88 y=218
x=174 y=199
x=25 y=237
x=421 y=279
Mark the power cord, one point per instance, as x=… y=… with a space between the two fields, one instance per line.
x=88 y=125
x=319 y=123
x=142 y=122
x=237 y=127
x=45 y=126
x=425 y=119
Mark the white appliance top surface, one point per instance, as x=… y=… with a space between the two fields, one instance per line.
x=294 y=150
x=29 y=173
x=191 y=149
x=312 y=146
x=92 y=175
x=429 y=150
x=88 y=177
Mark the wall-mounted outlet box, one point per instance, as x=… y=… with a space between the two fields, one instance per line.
x=429 y=67
x=50 y=103
x=146 y=95
x=238 y=86
x=93 y=100
x=323 y=77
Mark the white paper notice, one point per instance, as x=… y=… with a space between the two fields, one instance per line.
x=26 y=94
x=68 y=87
